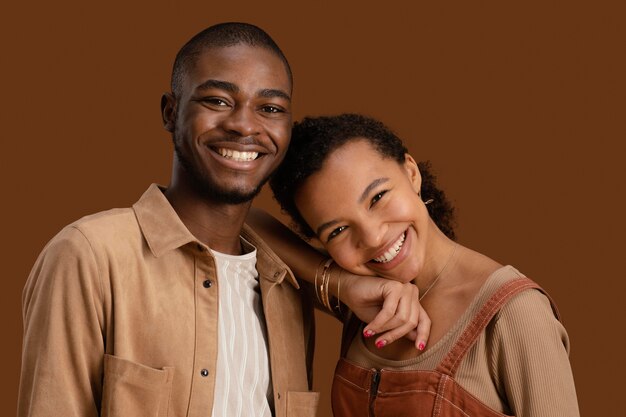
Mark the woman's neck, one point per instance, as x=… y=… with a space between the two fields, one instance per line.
x=440 y=256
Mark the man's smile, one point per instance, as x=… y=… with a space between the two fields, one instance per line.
x=237 y=155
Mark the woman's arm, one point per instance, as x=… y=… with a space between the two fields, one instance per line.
x=392 y=309
x=530 y=348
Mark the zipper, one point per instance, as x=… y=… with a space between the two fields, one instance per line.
x=374 y=390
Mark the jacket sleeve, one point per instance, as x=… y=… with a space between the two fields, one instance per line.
x=531 y=361
x=63 y=345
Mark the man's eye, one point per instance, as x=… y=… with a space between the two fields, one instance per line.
x=377 y=197
x=336 y=232
x=214 y=101
x=271 y=109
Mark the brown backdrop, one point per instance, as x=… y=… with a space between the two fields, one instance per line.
x=519 y=107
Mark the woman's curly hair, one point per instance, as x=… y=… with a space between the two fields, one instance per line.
x=314 y=138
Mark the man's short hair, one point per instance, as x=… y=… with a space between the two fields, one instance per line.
x=219 y=36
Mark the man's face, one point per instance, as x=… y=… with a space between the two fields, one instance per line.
x=232 y=122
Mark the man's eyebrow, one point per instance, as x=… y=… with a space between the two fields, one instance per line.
x=272 y=92
x=370 y=187
x=221 y=85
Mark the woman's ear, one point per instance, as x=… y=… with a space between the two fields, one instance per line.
x=413 y=172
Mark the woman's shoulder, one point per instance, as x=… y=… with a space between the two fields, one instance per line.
x=528 y=301
x=494 y=279
x=528 y=314
x=531 y=299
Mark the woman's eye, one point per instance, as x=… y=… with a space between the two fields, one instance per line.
x=377 y=197
x=335 y=232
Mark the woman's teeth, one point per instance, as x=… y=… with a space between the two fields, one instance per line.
x=392 y=252
x=236 y=155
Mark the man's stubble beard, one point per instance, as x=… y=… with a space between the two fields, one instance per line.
x=208 y=188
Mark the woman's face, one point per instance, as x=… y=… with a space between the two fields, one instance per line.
x=366 y=212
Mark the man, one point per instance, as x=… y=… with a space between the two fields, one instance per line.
x=174 y=306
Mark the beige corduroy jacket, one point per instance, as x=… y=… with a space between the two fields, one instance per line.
x=120 y=319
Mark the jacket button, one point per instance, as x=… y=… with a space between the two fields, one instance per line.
x=278 y=395
x=207 y=283
x=276 y=274
x=204 y=372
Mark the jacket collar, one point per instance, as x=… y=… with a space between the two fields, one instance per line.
x=159 y=223
x=164 y=231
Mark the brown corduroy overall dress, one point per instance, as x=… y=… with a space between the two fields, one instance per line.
x=362 y=392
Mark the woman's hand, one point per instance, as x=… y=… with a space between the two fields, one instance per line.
x=391 y=308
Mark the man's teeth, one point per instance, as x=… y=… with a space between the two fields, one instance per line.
x=236 y=155
x=392 y=252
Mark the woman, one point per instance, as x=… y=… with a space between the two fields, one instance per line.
x=496 y=346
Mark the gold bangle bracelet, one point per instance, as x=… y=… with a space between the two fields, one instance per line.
x=317 y=270
x=325 y=284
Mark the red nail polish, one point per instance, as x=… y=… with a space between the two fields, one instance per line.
x=368 y=333
x=421 y=346
x=381 y=343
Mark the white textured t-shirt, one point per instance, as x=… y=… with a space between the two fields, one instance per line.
x=243 y=382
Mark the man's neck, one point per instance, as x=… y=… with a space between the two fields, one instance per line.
x=217 y=225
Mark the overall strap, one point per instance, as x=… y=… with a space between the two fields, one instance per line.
x=453 y=359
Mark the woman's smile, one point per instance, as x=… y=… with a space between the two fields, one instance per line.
x=392 y=251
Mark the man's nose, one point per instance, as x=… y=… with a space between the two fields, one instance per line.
x=242 y=121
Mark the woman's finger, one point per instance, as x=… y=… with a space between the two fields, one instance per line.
x=423 y=329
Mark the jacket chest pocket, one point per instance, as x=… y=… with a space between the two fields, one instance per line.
x=132 y=389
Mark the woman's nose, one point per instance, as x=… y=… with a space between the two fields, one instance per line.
x=371 y=235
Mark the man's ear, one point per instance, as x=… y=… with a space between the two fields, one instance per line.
x=168 y=111
x=413 y=172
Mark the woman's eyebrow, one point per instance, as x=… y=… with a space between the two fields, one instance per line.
x=362 y=198
x=325 y=226
x=370 y=187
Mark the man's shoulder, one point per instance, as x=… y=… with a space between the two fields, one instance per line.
x=105 y=228
x=108 y=221
x=81 y=248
